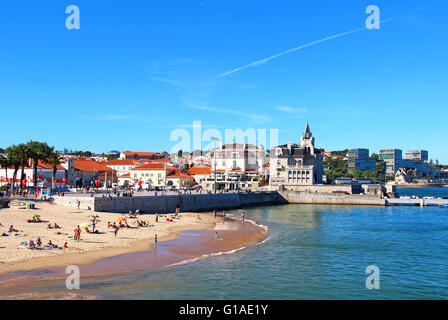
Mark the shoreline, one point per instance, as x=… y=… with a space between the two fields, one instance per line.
x=238 y=236
x=188 y=246
x=92 y=247
x=91 y=256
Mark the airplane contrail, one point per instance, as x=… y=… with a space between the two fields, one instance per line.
x=263 y=61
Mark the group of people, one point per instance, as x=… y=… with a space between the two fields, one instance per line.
x=34 y=219
x=31 y=244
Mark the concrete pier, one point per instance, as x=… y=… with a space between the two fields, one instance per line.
x=331 y=198
x=416 y=202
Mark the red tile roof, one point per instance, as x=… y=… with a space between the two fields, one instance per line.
x=199 y=170
x=178 y=174
x=130 y=153
x=40 y=165
x=121 y=162
x=155 y=160
x=125 y=175
x=90 y=166
x=154 y=166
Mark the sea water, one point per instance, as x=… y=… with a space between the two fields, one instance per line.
x=312 y=252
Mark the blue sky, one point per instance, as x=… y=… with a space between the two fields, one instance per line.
x=137 y=70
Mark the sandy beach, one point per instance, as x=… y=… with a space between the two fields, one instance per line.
x=92 y=247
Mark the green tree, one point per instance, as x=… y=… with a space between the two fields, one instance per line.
x=23 y=153
x=13 y=155
x=54 y=159
x=5 y=164
x=39 y=151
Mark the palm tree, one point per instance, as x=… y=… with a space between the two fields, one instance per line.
x=38 y=151
x=23 y=154
x=54 y=159
x=13 y=155
x=5 y=164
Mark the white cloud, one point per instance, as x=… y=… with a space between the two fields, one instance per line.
x=253 y=116
x=291 y=110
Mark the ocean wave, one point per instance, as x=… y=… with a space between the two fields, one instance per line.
x=215 y=254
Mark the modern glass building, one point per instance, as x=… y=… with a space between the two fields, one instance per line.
x=419 y=155
x=358 y=160
x=413 y=159
x=391 y=158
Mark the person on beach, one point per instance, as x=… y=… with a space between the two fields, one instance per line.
x=157 y=217
x=116 y=230
x=65 y=245
x=216 y=235
x=155 y=239
x=79 y=204
x=242 y=216
x=77 y=233
x=214 y=213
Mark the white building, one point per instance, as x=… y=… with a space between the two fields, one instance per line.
x=296 y=165
x=238 y=165
x=121 y=167
x=44 y=175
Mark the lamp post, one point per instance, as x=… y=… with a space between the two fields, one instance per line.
x=164 y=187
x=216 y=139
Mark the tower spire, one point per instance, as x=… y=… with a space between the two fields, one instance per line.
x=307 y=134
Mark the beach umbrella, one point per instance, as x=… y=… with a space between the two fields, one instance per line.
x=120 y=219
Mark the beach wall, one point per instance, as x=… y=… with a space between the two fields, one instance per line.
x=68 y=201
x=331 y=198
x=209 y=202
x=187 y=203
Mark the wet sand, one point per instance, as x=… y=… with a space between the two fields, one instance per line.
x=92 y=246
x=189 y=246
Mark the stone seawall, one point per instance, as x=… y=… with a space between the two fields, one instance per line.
x=70 y=201
x=331 y=198
x=208 y=202
x=187 y=203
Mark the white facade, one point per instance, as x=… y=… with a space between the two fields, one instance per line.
x=6 y=176
x=296 y=165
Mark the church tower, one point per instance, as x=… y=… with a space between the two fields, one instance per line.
x=307 y=141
